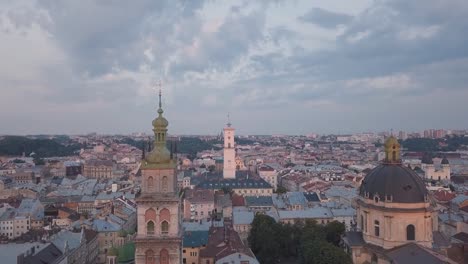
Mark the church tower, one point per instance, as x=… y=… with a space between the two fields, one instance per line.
x=229 y=170
x=159 y=236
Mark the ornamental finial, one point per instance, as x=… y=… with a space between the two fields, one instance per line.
x=160 y=111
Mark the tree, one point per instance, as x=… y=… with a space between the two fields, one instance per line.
x=281 y=190
x=322 y=252
x=263 y=239
x=334 y=230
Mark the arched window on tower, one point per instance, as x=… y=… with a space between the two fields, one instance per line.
x=394 y=156
x=164 y=227
x=149 y=255
x=150 y=183
x=164 y=256
x=150 y=228
x=410 y=232
x=229 y=145
x=376 y=228
x=164 y=184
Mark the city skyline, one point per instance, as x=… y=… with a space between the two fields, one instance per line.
x=279 y=67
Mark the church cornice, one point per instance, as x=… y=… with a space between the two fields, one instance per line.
x=159 y=166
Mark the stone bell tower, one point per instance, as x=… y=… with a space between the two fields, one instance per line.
x=159 y=236
x=229 y=168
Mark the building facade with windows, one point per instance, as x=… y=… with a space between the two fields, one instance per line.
x=159 y=236
x=394 y=213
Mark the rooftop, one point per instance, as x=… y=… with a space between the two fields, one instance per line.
x=195 y=238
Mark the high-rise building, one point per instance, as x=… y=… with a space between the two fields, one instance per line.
x=159 y=236
x=229 y=170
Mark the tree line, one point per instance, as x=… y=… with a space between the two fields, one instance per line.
x=305 y=243
x=42 y=147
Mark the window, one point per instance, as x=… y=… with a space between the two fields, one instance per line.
x=410 y=232
x=150 y=257
x=150 y=228
x=377 y=228
x=150 y=183
x=164 y=257
x=164 y=184
x=164 y=227
x=150 y=214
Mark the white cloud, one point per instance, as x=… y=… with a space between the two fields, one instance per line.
x=414 y=33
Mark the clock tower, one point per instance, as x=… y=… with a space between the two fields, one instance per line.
x=229 y=168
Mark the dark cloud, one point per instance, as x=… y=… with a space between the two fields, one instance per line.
x=324 y=18
x=396 y=51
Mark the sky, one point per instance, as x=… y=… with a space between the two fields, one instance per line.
x=277 y=67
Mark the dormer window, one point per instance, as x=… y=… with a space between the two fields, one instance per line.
x=388 y=198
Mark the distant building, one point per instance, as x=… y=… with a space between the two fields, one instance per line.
x=24 y=177
x=73 y=168
x=99 y=169
x=198 y=204
x=269 y=174
x=430 y=172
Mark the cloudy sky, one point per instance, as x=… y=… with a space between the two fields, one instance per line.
x=292 y=67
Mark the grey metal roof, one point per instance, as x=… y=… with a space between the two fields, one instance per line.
x=354 y=238
x=413 y=253
x=258 y=201
x=242 y=216
x=195 y=238
x=400 y=183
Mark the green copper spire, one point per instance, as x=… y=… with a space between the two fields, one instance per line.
x=160 y=154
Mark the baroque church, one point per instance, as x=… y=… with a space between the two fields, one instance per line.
x=159 y=236
x=396 y=218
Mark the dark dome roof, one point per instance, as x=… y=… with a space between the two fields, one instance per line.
x=427 y=159
x=444 y=161
x=395 y=180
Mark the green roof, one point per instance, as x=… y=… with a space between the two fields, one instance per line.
x=126 y=253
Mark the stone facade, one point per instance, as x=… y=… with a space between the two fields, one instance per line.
x=229 y=168
x=159 y=236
